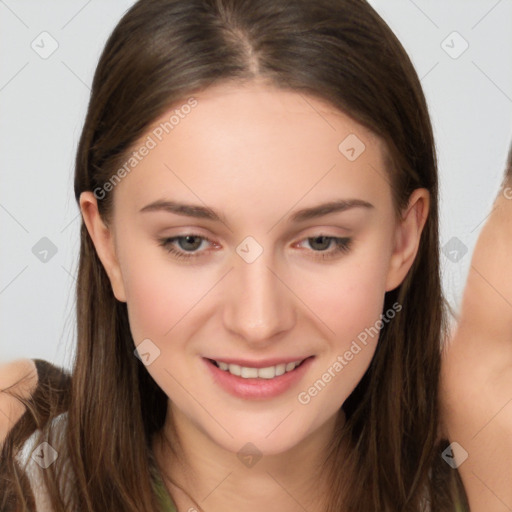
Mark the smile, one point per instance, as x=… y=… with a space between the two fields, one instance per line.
x=247 y=372
x=263 y=379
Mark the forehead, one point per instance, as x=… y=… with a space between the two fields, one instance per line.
x=258 y=142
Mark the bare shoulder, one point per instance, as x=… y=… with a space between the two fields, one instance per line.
x=18 y=377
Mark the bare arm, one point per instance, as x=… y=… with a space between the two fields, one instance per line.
x=19 y=377
x=476 y=383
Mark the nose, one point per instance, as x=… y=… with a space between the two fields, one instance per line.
x=259 y=306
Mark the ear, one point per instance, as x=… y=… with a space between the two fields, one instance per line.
x=103 y=240
x=407 y=237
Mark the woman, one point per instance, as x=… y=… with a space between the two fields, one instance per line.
x=290 y=359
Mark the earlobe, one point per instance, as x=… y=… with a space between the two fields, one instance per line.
x=407 y=237
x=103 y=241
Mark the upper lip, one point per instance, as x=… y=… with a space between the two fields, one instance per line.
x=264 y=363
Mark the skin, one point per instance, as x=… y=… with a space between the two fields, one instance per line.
x=476 y=380
x=19 y=377
x=255 y=155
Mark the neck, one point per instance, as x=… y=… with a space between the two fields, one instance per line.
x=194 y=466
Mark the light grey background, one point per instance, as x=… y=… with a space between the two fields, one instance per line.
x=43 y=102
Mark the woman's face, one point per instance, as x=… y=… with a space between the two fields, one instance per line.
x=256 y=230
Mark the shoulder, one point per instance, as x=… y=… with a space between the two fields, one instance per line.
x=18 y=378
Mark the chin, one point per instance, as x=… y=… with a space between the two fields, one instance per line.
x=269 y=438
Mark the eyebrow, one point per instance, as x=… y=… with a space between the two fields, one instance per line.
x=203 y=212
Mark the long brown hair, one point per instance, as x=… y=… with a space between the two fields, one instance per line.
x=161 y=53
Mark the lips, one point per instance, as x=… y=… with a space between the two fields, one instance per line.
x=252 y=385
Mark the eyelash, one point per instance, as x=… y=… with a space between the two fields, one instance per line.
x=342 y=245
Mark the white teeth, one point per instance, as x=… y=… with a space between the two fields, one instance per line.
x=280 y=369
x=249 y=373
x=267 y=373
x=235 y=369
x=263 y=373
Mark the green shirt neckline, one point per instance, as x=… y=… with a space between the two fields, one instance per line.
x=164 y=498
x=166 y=503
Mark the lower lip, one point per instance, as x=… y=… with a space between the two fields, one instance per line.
x=257 y=388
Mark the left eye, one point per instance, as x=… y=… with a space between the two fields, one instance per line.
x=323 y=242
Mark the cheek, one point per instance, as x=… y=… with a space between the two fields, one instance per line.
x=159 y=294
x=349 y=300
x=349 y=297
